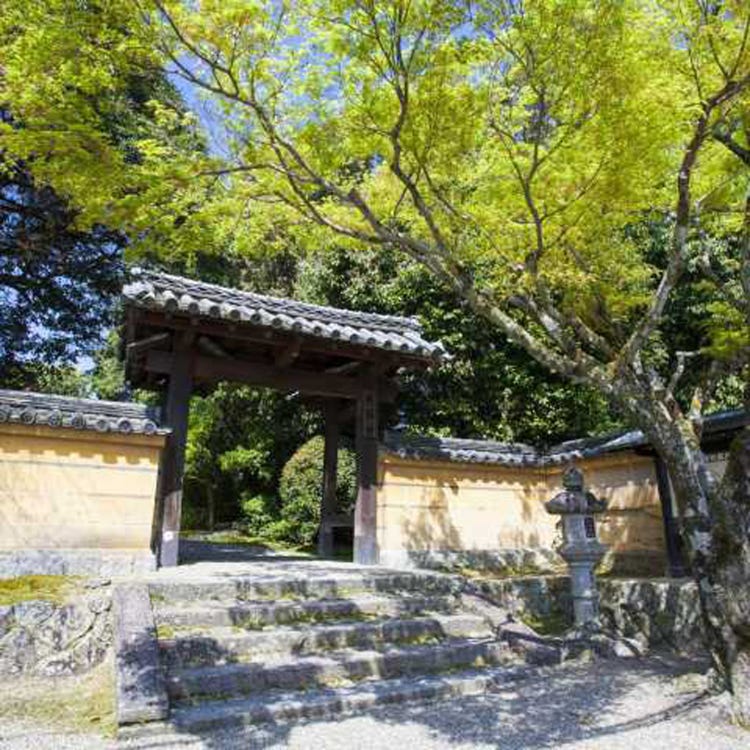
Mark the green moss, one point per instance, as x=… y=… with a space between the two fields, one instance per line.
x=83 y=703
x=165 y=632
x=554 y=623
x=56 y=589
x=424 y=639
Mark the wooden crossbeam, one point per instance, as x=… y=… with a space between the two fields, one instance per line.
x=134 y=347
x=211 y=347
x=288 y=354
x=346 y=367
x=257 y=335
x=268 y=376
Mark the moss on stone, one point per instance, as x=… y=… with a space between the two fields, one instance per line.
x=554 y=623
x=165 y=632
x=57 y=589
x=84 y=703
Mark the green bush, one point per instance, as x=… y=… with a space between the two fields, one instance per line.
x=301 y=491
x=259 y=513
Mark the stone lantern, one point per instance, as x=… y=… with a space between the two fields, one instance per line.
x=580 y=548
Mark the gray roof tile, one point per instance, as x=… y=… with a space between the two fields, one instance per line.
x=29 y=408
x=516 y=454
x=160 y=291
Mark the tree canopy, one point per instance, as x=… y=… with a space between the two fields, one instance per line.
x=505 y=145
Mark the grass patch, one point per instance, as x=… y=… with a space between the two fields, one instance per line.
x=84 y=703
x=57 y=589
x=552 y=624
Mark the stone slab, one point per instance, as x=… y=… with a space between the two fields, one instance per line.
x=334 y=702
x=80 y=562
x=140 y=685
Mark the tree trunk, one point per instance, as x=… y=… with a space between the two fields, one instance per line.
x=732 y=551
x=715 y=526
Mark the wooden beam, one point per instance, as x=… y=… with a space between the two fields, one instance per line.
x=209 y=346
x=173 y=457
x=365 y=512
x=677 y=567
x=142 y=345
x=330 y=470
x=286 y=355
x=343 y=368
x=321 y=384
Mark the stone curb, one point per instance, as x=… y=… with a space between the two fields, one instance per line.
x=141 y=693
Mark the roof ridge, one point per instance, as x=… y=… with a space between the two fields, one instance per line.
x=461 y=441
x=475 y=450
x=53 y=410
x=82 y=400
x=402 y=323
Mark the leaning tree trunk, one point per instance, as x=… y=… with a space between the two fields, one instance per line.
x=731 y=539
x=715 y=527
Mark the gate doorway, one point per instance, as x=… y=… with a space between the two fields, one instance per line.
x=181 y=334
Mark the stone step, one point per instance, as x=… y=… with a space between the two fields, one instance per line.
x=341 y=586
x=333 y=670
x=332 y=702
x=261 y=614
x=224 y=645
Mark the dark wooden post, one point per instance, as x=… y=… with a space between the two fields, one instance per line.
x=331 y=411
x=677 y=568
x=365 y=514
x=173 y=460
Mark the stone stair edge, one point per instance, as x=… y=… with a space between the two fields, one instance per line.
x=381 y=583
x=339 y=656
x=318 y=703
x=363 y=595
x=347 y=666
x=236 y=632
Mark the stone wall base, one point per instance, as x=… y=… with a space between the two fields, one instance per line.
x=528 y=560
x=47 y=638
x=84 y=562
x=663 y=612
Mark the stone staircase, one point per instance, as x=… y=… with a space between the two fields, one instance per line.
x=243 y=651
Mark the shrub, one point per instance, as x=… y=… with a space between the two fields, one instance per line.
x=259 y=512
x=301 y=490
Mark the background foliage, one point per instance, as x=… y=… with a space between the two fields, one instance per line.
x=103 y=155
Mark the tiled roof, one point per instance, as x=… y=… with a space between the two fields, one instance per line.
x=160 y=291
x=517 y=454
x=456 y=449
x=27 y=408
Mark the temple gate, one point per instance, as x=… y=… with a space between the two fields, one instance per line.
x=181 y=334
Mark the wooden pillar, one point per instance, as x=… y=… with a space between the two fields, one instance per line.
x=173 y=460
x=331 y=412
x=677 y=568
x=365 y=514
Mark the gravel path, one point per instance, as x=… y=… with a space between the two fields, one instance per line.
x=634 y=705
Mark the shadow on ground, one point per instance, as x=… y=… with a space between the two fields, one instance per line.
x=195 y=551
x=555 y=707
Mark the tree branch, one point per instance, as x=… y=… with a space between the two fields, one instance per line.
x=673 y=272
